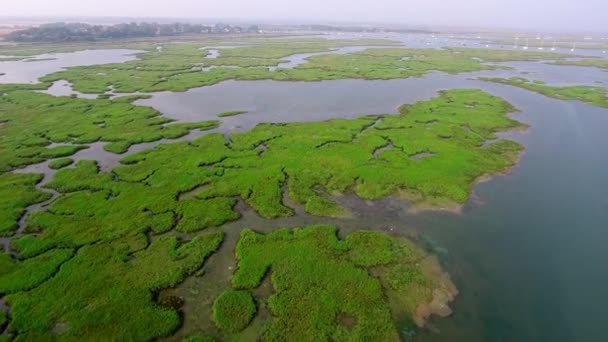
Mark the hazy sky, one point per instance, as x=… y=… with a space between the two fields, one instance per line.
x=533 y=14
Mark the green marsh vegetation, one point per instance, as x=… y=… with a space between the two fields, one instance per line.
x=373 y=156
x=327 y=288
x=60 y=163
x=596 y=96
x=231 y=113
x=17 y=192
x=35 y=127
x=129 y=249
x=101 y=284
x=601 y=63
x=180 y=67
x=233 y=310
x=31 y=121
x=190 y=186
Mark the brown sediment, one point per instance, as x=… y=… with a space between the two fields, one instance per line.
x=443 y=294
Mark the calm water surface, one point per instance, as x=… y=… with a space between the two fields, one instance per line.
x=29 y=71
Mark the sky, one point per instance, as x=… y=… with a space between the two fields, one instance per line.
x=577 y=15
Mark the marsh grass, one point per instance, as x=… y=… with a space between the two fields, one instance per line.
x=231 y=113
x=32 y=121
x=60 y=163
x=233 y=310
x=596 y=96
x=180 y=67
x=17 y=192
x=103 y=283
x=601 y=63
x=323 y=286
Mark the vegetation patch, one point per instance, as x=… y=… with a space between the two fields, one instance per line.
x=25 y=275
x=103 y=283
x=179 y=67
x=314 y=159
x=31 y=121
x=3 y=318
x=231 y=113
x=332 y=289
x=601 y=63
x=596 y=96
x=17 y=192
x=60 y=163
x=233 y=310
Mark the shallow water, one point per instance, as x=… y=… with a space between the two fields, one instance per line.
x=527 y=253
x=29 y=72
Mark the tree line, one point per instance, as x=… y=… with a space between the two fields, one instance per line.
x=69 y=32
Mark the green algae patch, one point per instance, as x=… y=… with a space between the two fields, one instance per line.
x=17 y=192
x=32 y=121
x=595 y=96
x=107 y=289
x=332 y=289
x=60 y=163
x=233 y=310
x=231 y=113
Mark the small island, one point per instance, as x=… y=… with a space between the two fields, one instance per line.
x=231 y=113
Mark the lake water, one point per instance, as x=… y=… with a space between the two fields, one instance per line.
x=528 y=252
x=29 y=71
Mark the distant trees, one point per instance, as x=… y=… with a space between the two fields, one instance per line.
x=68 y=32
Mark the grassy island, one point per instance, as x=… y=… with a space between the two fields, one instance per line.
x=60 y=163
x=596 y=96
x=231 y=113
x=233 y=310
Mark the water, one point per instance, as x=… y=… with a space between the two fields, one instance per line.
x=29 y=72
x=528 y=252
